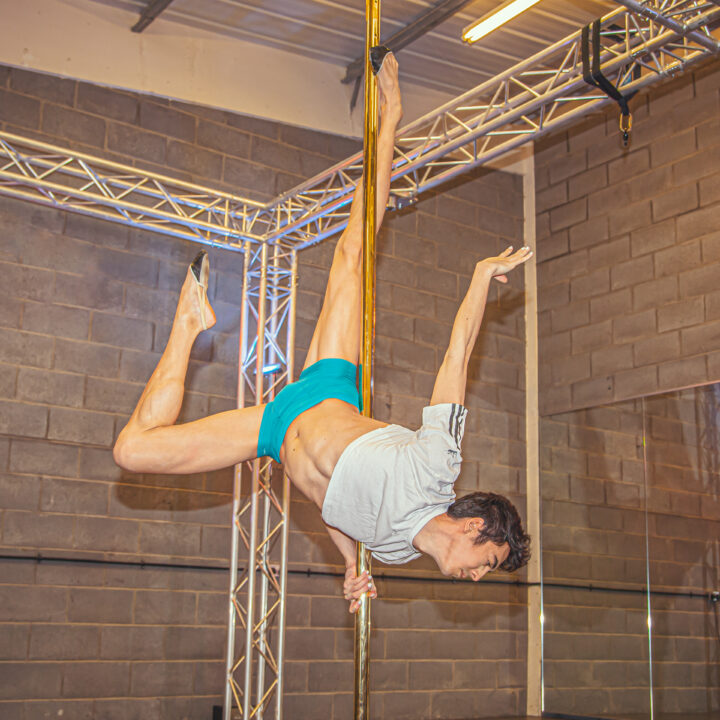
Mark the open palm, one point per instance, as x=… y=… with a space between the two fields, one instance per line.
x=507 y=260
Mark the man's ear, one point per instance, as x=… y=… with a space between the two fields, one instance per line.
x=473 y=525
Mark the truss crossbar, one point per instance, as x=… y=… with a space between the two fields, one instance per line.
x=640 y=45
x=36 y=171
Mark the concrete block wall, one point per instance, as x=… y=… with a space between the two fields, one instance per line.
x=627 y=284
x=684 y=519
x=596 y=653
x=628 y=249
x=438 y=649
x=87 y=307
x=596 y=489
x=593 y=492
x=596 y=649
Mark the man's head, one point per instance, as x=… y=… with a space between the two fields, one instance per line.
x=489 y=535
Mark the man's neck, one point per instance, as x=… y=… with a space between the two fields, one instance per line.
x=434 y=539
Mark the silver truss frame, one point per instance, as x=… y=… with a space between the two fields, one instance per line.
x=641 y=44
x=261 y=514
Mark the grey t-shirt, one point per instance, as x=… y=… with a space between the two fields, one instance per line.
x=389 y=483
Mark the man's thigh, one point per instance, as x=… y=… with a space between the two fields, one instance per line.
x=337 y=333
x=210 y=443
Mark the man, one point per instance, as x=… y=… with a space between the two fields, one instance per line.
x=380 y=484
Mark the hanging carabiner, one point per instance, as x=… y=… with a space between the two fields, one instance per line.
x=625 y=127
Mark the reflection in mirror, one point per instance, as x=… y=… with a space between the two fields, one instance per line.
x=631 y=528
x=684 y=540
x=594 y=568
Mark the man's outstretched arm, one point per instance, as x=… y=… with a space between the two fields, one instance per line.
x=452 y=376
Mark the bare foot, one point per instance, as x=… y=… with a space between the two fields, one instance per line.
x=390 y=100
x=194 y=309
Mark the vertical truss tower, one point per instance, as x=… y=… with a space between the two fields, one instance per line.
x=261 y=504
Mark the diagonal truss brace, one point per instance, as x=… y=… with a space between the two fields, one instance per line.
x=641 y=44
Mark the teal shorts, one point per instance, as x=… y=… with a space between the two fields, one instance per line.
x=325 y=379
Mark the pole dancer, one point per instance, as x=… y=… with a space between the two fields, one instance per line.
x=384 y=485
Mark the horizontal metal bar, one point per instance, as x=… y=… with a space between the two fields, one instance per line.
x=309 y=572
x=45 y=149
x=96 y=212
x=149 y=14
x=646 y=10
x=81 y=195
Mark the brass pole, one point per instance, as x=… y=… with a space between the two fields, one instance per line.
x=362 y=619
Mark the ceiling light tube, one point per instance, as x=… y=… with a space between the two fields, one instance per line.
x=496 y=18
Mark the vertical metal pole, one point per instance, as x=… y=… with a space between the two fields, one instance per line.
x=237 y=491
x=263 y=604
x=362 y=619
x=252 y=549
x=286 y=499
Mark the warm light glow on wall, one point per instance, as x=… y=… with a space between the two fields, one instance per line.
x=496 y=18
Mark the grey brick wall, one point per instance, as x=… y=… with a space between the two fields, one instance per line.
x=628 y=278
x=86 y=309
x=628 y=249
x=596 y=489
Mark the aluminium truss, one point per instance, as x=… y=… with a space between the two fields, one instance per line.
x=260 y=515
x=49 y=175
x=641 y=43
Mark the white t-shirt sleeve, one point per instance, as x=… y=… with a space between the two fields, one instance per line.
x=440 y=437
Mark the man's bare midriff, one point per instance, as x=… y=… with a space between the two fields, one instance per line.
x=315 y=441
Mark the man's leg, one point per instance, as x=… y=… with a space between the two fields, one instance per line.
x=150 y=442
x=337 y=333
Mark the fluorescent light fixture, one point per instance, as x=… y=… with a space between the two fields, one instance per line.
x=493 y=20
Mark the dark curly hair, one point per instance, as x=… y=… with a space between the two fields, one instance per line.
x=502 y=525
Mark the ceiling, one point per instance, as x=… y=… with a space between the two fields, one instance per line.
x=333 y=31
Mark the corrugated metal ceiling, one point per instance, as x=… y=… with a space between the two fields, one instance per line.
x=334 y=31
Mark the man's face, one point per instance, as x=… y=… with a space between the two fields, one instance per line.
x=466 y=560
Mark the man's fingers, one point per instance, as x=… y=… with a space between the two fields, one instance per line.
x=355 y=587
x=355 y=603
x=358 y=583
x=358 y=590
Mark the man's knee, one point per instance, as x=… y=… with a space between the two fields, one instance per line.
x=123 y=451
x=349 y=251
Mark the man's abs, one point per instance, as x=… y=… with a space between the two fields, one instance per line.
x=315 y=441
